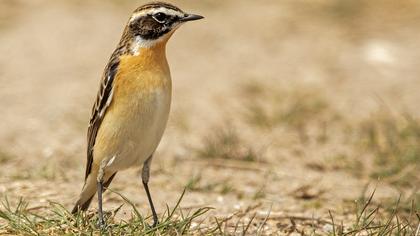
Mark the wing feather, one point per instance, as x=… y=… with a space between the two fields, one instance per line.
x=103 y=100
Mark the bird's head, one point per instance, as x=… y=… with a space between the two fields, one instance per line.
x=155 y=22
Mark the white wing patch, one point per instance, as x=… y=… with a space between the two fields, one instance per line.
x=108 y=102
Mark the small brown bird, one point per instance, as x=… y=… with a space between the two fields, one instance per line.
x=132 y=106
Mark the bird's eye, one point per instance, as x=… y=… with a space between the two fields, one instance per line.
x=159 y=17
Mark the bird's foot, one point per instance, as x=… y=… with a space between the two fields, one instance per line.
x=155 y=223
x=102 y=224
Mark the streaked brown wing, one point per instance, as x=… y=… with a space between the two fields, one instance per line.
x=103 y=100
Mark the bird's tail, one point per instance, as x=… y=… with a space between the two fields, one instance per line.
x=88 y=192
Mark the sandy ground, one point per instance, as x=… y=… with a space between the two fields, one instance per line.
x=357 y=55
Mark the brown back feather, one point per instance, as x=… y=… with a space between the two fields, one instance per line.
x=105 y=91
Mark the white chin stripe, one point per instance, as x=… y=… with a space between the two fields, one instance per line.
x=164 y=10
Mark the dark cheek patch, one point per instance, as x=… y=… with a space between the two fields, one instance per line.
x=148 y=28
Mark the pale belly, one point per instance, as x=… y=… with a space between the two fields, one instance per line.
x=132 y=129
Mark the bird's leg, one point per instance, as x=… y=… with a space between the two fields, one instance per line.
x=145 y=178
x=100 y=212
x=100 y=189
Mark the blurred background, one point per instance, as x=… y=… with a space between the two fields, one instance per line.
x=293 y=106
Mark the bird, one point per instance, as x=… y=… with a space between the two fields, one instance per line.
x=132 y=106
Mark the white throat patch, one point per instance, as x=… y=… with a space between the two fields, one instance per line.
x=139 y=43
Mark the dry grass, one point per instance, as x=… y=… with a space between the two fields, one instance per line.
x=59 y=221
x=393 y=140
x=274 y=123
x=370 y=219
x=225 y=143
x=301 y=110
x=5 y=157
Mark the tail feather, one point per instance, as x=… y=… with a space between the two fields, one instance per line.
x=82 y=205
x=88 y=192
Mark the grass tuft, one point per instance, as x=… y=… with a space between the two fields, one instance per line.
x=197 y=184
x=371 y=220
x=300 y=110
x=394 y=142
x=20 y=220
x=225 y=143
x=5 y=157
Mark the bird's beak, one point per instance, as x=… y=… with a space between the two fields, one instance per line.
x=191 y=17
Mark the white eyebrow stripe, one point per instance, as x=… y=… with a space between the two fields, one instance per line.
x=156 y=10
